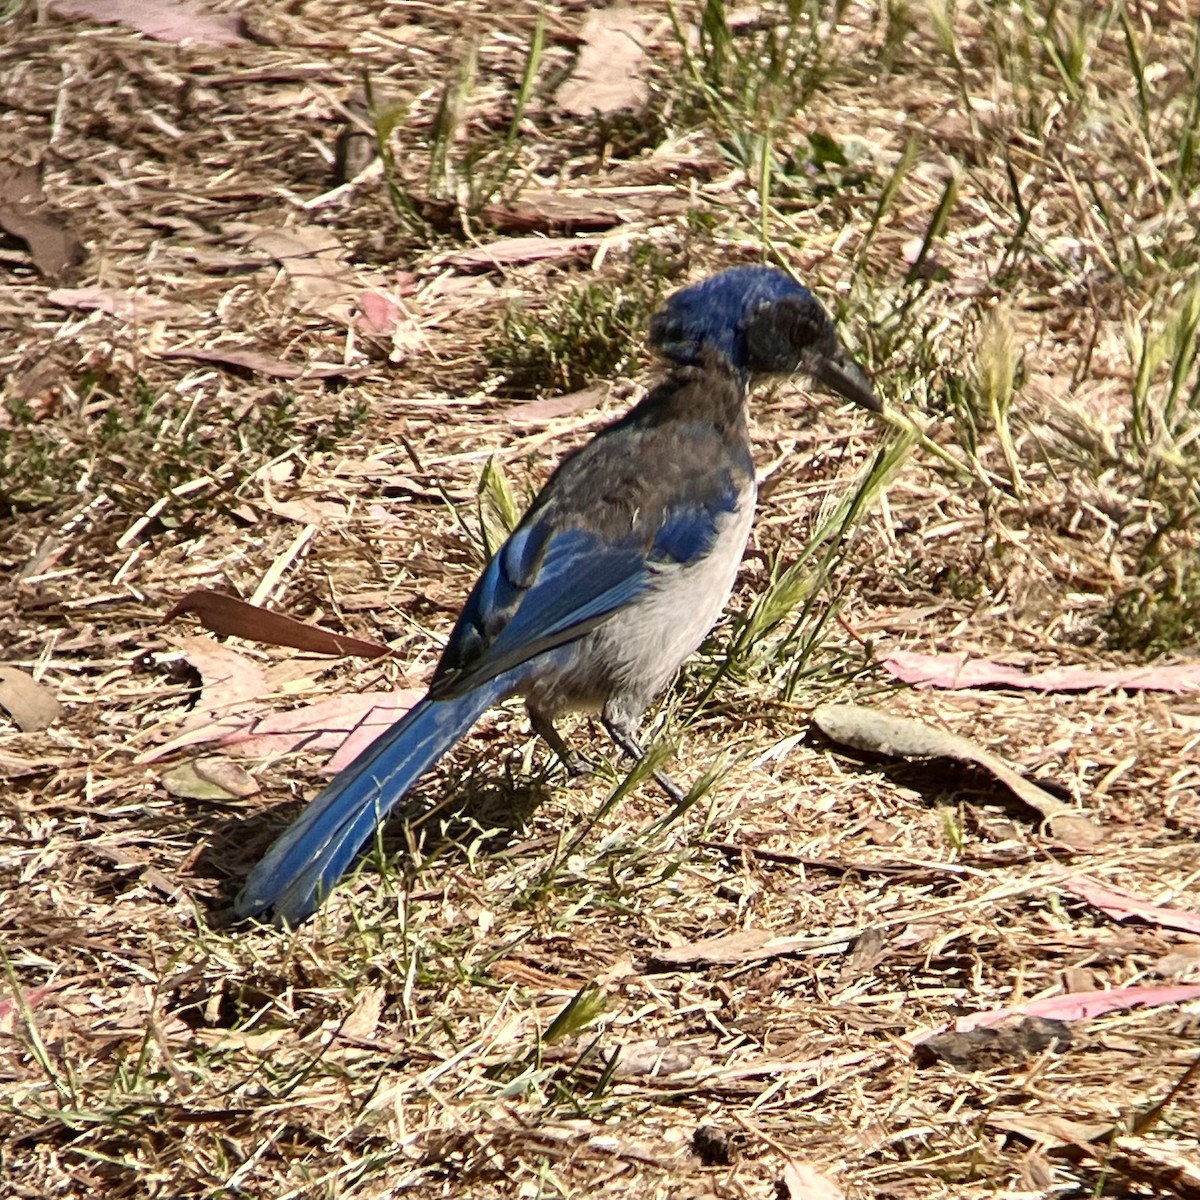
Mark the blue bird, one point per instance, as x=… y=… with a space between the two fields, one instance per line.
x=612 y=578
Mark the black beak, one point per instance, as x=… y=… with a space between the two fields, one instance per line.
x=843 y=375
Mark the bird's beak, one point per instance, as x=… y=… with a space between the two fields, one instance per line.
x=841 y=374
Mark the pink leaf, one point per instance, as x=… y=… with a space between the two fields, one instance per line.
x=1079 y=1006
x=377 y=313
x=162 y=20
x=347 y=724
x=957 y=671
x=1122 y=905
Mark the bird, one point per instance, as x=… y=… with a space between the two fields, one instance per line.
x=612 y=578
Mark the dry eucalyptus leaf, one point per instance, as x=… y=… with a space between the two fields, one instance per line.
x=162 y=20
x=612 y=61
x=903 y=737
x=229 y=615
x=209 y=779
x=957 y=671
x=804 y=1182
x=266 y=364
x=31 y=704
x=26 y=214
x=124 y=305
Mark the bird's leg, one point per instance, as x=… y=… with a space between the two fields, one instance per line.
x=621 y=732
x=577 y=766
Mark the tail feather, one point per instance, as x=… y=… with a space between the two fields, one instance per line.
x=313 y=853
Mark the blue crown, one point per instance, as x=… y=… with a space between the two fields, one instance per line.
x=714 y=312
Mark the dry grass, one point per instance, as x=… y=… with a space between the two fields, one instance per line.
x=480 y=1011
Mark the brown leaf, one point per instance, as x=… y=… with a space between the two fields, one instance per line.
x=537 y=412
x=230 y=616
x=803 y=1182
x=26 y=214
x=31 y=704
x=363 y=1021
x=162 y=20
x=126 y=306
x=507 y=251
x=1180 y=963
x=1048 y=1129
x=746 y=945
x=315 y=264
x=957 y=671
x=987 y=1046
x=609 y=73
x=266 y=364
x=883 y=733
x=558 y=213
x=1166 y=1170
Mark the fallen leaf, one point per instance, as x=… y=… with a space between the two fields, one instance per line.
x=558 y=213
x=266 y=364
x=1048 y=1129
x=377 y=313
x=957 y=671
x=537 y=412
x=882 y=733
x=346 y=724
x=230 y=616
x=802 y=1182
x=746 y=945
x=1079 y=1006
x=508 y=251
x=31 y=704
x=1180 y=963
x=869 y=950
x=1168 y=1171
x=609 y=74
x=162 y=20
x=1122 y=905
x=209 y=779
x=134 y=307
x=364 y=1019
x=230 y=683
x=13 y=767
x=27 y=215
x=30 y=999
x=315 y=264
x=381 y=315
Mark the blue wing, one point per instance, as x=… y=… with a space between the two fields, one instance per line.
x=546 y=587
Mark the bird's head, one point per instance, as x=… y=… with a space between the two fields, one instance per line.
x=763 y=323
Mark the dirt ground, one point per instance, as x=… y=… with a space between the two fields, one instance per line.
x=231 y=362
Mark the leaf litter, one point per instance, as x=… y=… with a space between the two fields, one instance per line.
x=175 y=1056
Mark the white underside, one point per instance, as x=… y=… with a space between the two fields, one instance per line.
x=642 y=646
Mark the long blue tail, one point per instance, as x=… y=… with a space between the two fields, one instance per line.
x=313 y=853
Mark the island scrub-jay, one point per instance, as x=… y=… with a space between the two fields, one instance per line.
x=612 y=578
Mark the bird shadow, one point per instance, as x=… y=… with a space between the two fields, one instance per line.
x=942 y=781
x=490 y=807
